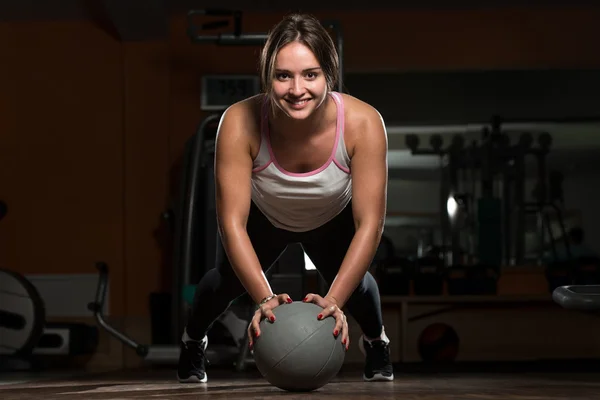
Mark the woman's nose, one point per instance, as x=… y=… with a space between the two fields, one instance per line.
x=296 y=87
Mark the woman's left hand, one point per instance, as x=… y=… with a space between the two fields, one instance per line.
x=330 y=308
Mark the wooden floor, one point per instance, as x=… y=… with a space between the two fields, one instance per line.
x=440 y=385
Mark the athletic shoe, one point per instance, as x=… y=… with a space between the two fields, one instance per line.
x=378 y=365
x=192 y=360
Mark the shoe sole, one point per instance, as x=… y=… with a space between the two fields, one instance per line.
x=193 y=379
x=376 y=377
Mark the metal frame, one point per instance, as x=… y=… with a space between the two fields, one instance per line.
x=157 y=354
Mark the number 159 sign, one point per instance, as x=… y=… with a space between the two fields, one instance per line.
x=220 y=91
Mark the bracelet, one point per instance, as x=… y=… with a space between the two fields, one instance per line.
x=263 y=301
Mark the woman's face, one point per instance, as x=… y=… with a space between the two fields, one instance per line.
x=299 y=85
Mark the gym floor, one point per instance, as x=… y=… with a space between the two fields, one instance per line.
x=449 y=383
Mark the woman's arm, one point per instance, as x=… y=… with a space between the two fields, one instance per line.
x=369 y=195
x=233 y=172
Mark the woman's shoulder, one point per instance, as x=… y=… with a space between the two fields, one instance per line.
x=241 y=122
x=244 y=114
x=361 y=118
x=249 y=108
x=359 y=112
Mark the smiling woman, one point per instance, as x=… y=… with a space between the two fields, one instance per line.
x=298 y=163
x=298 y=80
x=299 y=50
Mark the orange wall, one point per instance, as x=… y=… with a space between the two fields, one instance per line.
x=62 y=160
x=91 y=129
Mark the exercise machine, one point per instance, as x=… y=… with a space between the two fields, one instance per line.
x=27 y=338
x=484 y=211
x=22 y=315
x=585 y=298
x=154 y=354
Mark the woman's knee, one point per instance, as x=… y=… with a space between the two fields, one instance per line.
x=222 y=279
x=368 y=286
x=365 y=296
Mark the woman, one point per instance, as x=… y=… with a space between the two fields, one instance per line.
x=299 y=163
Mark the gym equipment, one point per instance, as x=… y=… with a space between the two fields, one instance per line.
x=482 y=196
x=238 y=38
x=457 y=280
x=22 y=315
x=393 y=273
x=483 y=279
x=578 y=297
x=298 y=352
x=195 y=250
x=25 y=335
x=394 y=276
x=477 y=279
x=157 y=354
x=195 y=236
x=438 y=343
x=429 y=274
x=67 y=339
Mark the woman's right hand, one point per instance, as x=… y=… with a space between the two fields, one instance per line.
x=265 y=311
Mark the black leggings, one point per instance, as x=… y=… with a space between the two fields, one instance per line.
x=326 y=246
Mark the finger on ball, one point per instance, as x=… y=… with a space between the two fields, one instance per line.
x=337 y=330
x=256 y=330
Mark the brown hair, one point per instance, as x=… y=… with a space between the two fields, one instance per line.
x=307 y=30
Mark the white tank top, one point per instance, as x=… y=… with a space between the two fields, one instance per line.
x=301 y=202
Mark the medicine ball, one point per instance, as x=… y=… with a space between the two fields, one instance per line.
x=22 y=314
x=298 y=352
x=438 y=343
